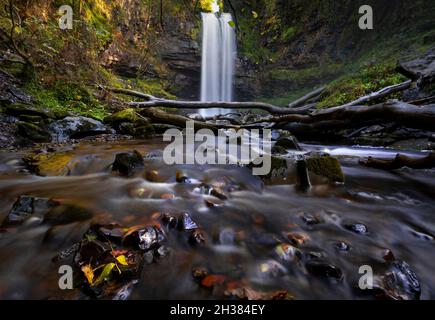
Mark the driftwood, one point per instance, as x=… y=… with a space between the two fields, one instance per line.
x=380 y=94
x=306 y=97
x=400 y=161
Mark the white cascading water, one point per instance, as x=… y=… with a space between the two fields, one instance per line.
x=218 y=60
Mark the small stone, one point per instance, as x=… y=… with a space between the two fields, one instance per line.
x=342 y=246
x=286 y=252
x=170 y=220
x=272 y=268
x=199 y=273
x=298 y=239
x=324 y=269
x=358 y=228
x=197 y=237
x=187 y=223
x=227 y=237
x=310 y=219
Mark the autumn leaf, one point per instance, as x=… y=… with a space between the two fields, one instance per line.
x=212 y=280
x=122 y=260
x=89 y=273
x=254 y=14
x=107 y=271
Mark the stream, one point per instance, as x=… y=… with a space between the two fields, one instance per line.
x=396 y=208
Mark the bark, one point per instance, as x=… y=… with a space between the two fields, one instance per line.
x=306 y=97
x=402 y=160
x=380 y=94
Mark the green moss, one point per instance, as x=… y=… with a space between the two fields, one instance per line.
x=370 y=78
x=326 y=166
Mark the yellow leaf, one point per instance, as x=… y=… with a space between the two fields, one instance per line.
x=255 y=14
x=105 y=273
x=89 y=273
x=122 y=260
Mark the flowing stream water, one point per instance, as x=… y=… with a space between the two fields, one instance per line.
x=243 y=231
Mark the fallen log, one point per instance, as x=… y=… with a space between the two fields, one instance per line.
x=401 y=161
x=420 y=117
x=380 y=94
x=308 y=96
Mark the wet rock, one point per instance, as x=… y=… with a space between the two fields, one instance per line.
x=26 y=207
x=323 y=269
x=298 y=239
x=170 y=220
x=197 y=236
x=303 y=178
x=127 y=164
x=325 y=166
x=125 y=291
x=310 y=219
x=400 y=282
x=33 y=132
x=199 y=273
x=64 y=214
x=342 y=246
x=358 y=228
x=211 y=202
x=77 y=128
x=278 y=150
x=272 y=269
x=49 y=164
x=210 y=190
x=180 y=177
x=288 y=142
x=187 y=224
x=286 y=252
x=147 y=238
x=94 y=251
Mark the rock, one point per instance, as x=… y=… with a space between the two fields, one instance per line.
x=64 y=214
x=27 y=206
x=297 y=239
x=358 y=228
x=187 y=223
x=199 y=273
x=33 y=132
x=170 y=221
x=49 y=164
x=272 y=269
x=325 y=166
x=128 y=115
x=127 y=164
x=278 y=150
x=19 y=110
x=342 y=246
x=400 y=282
x=77 y=128
x=197 y=236
x=324 y=269
x=421 y=68
x=310 y=219
x=286 y=252
x=289 y=142
x=146 y=238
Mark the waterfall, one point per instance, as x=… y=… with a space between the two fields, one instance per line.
x=218 y=59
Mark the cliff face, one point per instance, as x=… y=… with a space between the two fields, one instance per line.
x=284 y=46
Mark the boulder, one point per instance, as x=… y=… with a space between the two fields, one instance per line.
x=49 y=164
x=421 y=68
x=33 y=132
x=127 y=163
x=77 y=128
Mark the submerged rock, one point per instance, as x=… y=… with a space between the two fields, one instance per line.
x=49 y=164
x=26 y=207
x=64 y=214
x=128 y=163
x=356 y=227
x=324 y=269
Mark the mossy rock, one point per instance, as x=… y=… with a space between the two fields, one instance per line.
x=19 y=110
x=33 y=132
x=126 y=115
x=325 y=166
x=49 y=164
x=31 y=119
